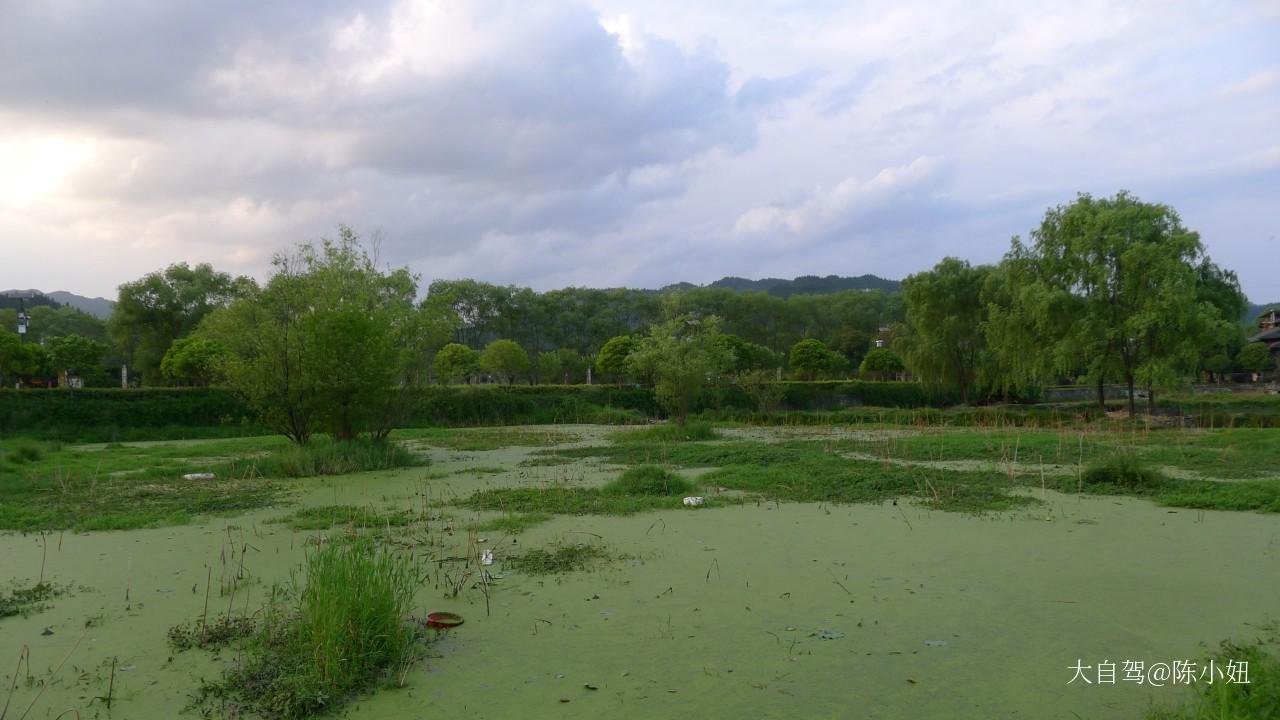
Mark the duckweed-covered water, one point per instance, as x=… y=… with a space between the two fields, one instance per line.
x=769 y=610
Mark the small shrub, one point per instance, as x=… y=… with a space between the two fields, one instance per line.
x=1122 y=472
x=649 y=480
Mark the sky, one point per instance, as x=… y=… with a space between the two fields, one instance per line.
x=612 y=143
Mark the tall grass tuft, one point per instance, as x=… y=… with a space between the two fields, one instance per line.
x=692 y=431
x=648 y=480
x=346 y=630
x=1259 y=699
x=1124 y=473
x=335 y=457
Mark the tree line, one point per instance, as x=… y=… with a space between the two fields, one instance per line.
x=1105 y=290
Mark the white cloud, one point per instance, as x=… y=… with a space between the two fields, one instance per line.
x=618 y=142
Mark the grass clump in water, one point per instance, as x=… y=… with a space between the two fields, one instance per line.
x=1259 y=699
x=1125 y=474
x=335 y=457
x=649 y=480
x=211 y=635
x=566 y=500
x=692 y=431
x=327 y=516
x=26 y=600
x=346 y=630
x=561 y=558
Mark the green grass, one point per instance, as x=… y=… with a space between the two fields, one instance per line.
x=648 y=480
x=511 y=524
x=561 y=558
x=1123 y=475
x=481 y=470
x=211 y=635
x=26 y=600
x=1221 y=700
x=327 y=516
x=669 y=432
x=811 y=475
x=329 y=457
x=479 y=439
x=564 y=500
x=347 y=629
x=124 y=486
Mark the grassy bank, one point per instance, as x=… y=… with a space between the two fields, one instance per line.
x=52 y=486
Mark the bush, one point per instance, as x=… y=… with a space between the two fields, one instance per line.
x=1122 y=472
x=649 y=480
x=348 y=629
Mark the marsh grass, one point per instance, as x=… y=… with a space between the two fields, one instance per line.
x=328 y=516
x=481 y=439
x=331 y=457
x=560 y=558
x=648 y=480
x=346 y=630
x=211 y=634
x=669 y=432
x=570 y=500
x=916 y=465
x=132 y=486
x=25 y=600
x=1257 y=700
x=1123 y=474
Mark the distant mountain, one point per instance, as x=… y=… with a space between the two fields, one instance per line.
x=98 y=307
x=803 y=285
x=26 y=298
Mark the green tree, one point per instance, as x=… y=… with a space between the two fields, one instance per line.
x=506 y=359
x=881 y=364
x=75 y=354
x=21 y=361
x=811 y=358
x=1255 y=357
x=1217 y=365
x=749 y=356
x=682 y=355
x=194 y=361
x=615 y=357
x=152 y=312
x=456 y=362
x=327 y=344
x=1116 y=285
x=763 y=389
x=943 y=337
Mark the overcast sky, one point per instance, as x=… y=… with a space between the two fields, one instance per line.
x=622 y=143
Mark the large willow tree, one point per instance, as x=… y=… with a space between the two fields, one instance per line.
x=1113 y=286
x=942 y=338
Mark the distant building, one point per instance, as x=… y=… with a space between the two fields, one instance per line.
x=1269 y=331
